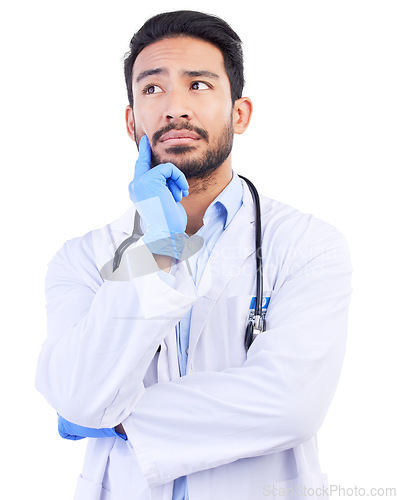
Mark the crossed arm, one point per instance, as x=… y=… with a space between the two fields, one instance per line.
x=304 y=346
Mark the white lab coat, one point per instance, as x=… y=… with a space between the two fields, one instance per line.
x=237 y=424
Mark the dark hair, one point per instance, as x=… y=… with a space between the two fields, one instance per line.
x=196 y=25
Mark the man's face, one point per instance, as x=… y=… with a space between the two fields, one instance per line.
x=182 y=102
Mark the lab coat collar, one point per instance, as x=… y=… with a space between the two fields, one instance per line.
x=125 y=223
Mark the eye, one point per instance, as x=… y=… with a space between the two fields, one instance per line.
x=200 y=86
x=152 y=89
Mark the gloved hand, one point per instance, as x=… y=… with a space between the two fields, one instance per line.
x=67 y=430
x=156 y=194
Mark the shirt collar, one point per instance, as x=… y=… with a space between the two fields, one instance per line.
x=228 y=202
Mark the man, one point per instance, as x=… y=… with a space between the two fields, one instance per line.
x=146 y=348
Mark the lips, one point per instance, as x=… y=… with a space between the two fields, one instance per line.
x=179 y=135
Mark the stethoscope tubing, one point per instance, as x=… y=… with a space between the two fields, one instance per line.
x=258 y=246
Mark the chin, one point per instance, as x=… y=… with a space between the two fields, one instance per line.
x=193 y=164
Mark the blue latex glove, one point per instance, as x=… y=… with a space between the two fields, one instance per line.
x=67 y=430
x=156 y=194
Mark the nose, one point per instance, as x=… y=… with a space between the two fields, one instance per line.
x=177 y=107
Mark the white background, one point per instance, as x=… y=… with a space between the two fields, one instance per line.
x=322 y=76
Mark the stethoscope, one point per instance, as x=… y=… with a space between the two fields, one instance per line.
x=256 y=321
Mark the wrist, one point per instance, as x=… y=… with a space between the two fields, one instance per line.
x=164 y=262
x=161 y=244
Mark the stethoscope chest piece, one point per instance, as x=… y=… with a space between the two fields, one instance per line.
x=256 y=322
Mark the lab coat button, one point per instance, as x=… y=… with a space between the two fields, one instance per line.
x=187 y=350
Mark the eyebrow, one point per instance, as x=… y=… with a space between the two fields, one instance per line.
x=164 y=71
x=150 y=72
x=205 y=73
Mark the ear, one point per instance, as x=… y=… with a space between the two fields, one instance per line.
x=242 y=112
x=130 y=122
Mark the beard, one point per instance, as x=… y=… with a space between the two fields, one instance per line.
x=200 y=167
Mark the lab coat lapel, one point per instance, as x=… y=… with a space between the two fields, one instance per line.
x=235 y=244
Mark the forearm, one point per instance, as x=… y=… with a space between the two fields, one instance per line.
x=164 y=262
x=205 y=420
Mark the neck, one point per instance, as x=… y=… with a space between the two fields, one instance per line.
x=202 y=192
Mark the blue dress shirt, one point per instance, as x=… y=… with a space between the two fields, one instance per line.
x=216 y=219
